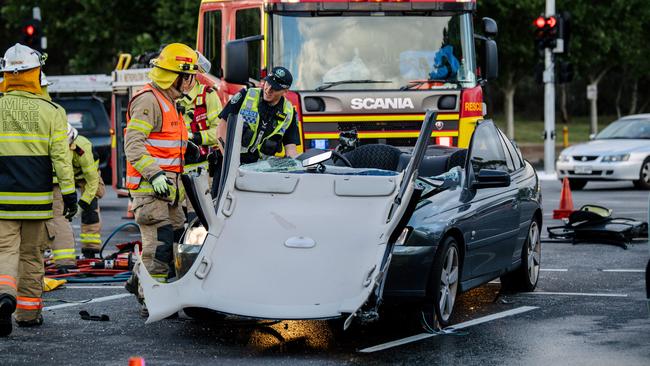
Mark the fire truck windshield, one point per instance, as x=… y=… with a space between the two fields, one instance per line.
x=340 y=52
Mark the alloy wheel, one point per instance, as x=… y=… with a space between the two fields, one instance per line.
x=534 y=249
x=448 y=283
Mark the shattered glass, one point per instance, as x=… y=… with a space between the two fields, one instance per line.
x=289 y=165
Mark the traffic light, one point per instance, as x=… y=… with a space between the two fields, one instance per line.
x=31 y=34
x=563 y=72
x=546 y=32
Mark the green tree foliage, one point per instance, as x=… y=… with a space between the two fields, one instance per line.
x=86 y=36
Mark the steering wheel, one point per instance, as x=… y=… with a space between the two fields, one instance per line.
x=338 y=156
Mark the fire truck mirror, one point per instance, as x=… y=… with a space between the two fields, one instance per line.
x=236 y=66
x=491 y=59
x=490 y=28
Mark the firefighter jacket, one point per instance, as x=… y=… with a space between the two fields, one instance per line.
x=85 y=167
x=250 y=116
x=155 y=138
x=33 y=143
x=202 y=107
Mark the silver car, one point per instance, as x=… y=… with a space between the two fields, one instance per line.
x=619 y=152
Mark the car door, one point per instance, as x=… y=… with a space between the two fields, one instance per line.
x=494 y=224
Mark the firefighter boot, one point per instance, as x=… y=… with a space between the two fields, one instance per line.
x=7 y=307
x=31 y=323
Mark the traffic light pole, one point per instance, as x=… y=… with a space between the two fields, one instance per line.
x=549 y=102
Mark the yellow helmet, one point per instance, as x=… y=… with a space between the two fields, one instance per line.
x=177 y=57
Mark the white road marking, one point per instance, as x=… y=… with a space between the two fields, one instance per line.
x=92 y=301
x=624 y=270
x=466 y=324
x=574 y=294
x=554 y=270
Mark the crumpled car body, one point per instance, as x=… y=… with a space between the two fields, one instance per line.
x=290 y=242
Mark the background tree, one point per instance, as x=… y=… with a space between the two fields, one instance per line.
x=515 y=42
x=86 y=36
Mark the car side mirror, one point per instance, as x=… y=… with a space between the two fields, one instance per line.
x=592 y=136
x=490 y=178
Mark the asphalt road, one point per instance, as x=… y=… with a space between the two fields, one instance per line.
x=589 y=309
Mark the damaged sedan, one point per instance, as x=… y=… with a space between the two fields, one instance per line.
x=332 y=235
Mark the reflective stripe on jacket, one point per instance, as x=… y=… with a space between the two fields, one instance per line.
x=249 y=114
x=166 y=148
x=33 y=143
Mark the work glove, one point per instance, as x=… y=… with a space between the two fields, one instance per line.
x=70 y=205
x=192 y=153
x=161 y=184
x=85 y=206
x=197 y=139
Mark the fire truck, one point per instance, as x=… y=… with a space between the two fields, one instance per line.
x=373 y=67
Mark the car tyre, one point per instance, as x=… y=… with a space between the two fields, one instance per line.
x=577 y=184
x=644 y=176
x=443 y=286
x=524 y=278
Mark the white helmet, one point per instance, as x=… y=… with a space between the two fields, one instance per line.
x=72 y=134
x=44 y=81
x=20 y=58
x=204 y=64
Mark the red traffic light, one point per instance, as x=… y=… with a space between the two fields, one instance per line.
x=29 y=30
x=551 y=21
x=540 y=22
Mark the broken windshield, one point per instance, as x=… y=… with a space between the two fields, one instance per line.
x=288 y=165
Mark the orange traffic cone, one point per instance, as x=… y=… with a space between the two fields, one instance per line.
x=129 y=210
x=136 y=361
x=566 y=202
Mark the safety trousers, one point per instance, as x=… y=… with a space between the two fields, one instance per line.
x=21 y=264
x=63 y=247
x=161 y=223
x=91 y=220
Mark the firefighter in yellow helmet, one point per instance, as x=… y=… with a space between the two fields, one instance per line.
x=155 y=145
x=32 y=144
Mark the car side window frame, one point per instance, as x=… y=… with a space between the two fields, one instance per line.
x=511 y=149
x=485 y=124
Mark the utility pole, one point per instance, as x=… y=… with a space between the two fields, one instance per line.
x=549 y=102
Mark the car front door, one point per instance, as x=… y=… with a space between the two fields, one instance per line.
x=494 y=224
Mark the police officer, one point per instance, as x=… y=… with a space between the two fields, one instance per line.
x=155 y=144
x=32 y=144
x=269 y=120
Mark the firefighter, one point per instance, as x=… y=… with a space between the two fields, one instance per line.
x=33 y=142
x=269 y=120
x=88 y=179
x=155 y=144
x=201 y=107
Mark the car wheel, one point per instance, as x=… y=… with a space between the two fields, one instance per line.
x=203 y=314
x=644 y=176
x=525 y=277
x=577 y=184
x=445 y=278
